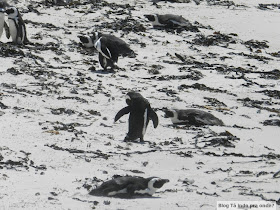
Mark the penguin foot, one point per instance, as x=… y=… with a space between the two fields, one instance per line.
x=110 y=70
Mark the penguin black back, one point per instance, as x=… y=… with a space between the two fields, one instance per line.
x=140 y=112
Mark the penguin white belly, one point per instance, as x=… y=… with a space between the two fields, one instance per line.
x=178 y=23
x=117 y=192
x=145 y=122
x=146 y=191
x=13 y=30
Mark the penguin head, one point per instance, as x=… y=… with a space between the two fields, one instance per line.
x=12 y=12
x=86 y=41
x=131 y=96
x=156 y=183
x=159 y=183
x=169 y=113
x=150 y=17
x=128 y=100
x=95 y=36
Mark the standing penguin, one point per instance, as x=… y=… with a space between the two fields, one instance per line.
x=109 y=48
x=107 y=52
x=140 y=113
x=16 y=26
x=3 y=24
x=128 y=186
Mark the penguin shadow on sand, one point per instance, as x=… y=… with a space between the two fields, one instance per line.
x=140 y=113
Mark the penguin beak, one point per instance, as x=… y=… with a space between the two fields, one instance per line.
x=165 y=181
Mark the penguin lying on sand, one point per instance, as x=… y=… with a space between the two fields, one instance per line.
x=172 y=1
x=128 y=186
x=168 y=20
x=58 y=2
x=3 y=24
x=192 y=117
x=16 y=26
x=140 y=114
x=109 y=48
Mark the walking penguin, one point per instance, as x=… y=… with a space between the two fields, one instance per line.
x=140 y=113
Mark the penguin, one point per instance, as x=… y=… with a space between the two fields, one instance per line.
x=109 y=48
x=140 y=112
x=87 y=41
x=3 y=24
x=58 y=2
x=16 y=26
x=171 y=1
x=107 y=52
x=192 y=117
x=168 y=20
x=129 y=186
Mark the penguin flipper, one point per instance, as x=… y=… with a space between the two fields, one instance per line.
x=7 y=30
x=106 y=52
x=103 y=61
x=25 y=39
x=153 y=116
x=122 y=112
x=111 y=53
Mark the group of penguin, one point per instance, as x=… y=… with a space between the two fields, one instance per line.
x=140 y=112
x=109 y=48
x=15 y=27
